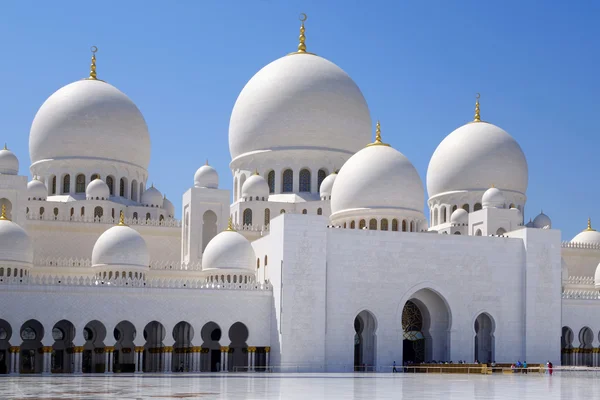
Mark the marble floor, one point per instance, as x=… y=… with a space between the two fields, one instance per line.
x=580 y=385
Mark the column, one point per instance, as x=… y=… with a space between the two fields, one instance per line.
x=137 y=359
x=46 y=360
x=17 y=365
x=267 y=357
x=78 y=359
x=249 y=359
x=106 y=360
x=13 y=365
x=197 y=366
x=168 y=358
x=224 y=350
x=253 y=360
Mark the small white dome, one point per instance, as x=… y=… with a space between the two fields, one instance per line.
x=229 y=250
x=255 y=186
x=36 y=190
x=206 y=177
x=493 y=198
x=121 y=246
x=327 y=186
x=529 y=224
x=15 y=244
x=459 y=217
x=542 y=221
x=9 y=163
x=97 y=190
x=169 y=207
x=152 y=197
x=588 y=236
x=597 y=277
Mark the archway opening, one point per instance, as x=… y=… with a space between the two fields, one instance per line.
x=209 y=227
x=183 y=333
x=5 y=335
x=586 y=337
x=484 y=338
x=62 y=360
x=566 y=341
x=124 y=353
x=210 y=358
x=94 y=360
x=154 y=334
x=365 y=341
x=238 y=348
x=32 y=357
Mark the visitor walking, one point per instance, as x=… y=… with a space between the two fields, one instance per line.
x=394 y=367
x=524 y=367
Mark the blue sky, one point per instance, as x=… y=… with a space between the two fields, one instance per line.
x=418 y=64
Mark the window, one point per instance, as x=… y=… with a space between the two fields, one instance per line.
x=288 y=181
x=41 y=211
x=53 y=185
x=247 y=217
x=384 y=224
x=322 y=174
x=148 y=217
x=111 y=185
x=112 y=213
x=304 y=211
x=267 y=216
x=94 y=176
x=66 y=183
x=122 y=187
x=266 y=259
x=98 y=212
x=373 y=224
x=454 y=208
x=135 y=216
x=403 y=225
x=395 y=225
x=72 y=212
x=304 y=180
x=443 y=214
x=319 y=211
x=80 y=184
x=353 y=225
x=257 y=263
x=161 y=218
x=412 y=226
x=82 y=211
x=134 y=190
x=362 y=223
x=465 y=207
x=477 y=207
x=28 y=334
x=282 y=211
x=271 y=181
x=56 y=212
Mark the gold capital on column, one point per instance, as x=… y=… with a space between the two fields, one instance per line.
x=267 y=349
x=139 y=349
x=224 y=349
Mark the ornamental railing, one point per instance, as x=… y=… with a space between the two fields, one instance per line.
x=571 y=245
x=49 y=216
x=581 y=280
x=581 y=294
x=87 y=262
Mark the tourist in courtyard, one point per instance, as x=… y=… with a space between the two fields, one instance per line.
x=394 y=367
x=524 y=367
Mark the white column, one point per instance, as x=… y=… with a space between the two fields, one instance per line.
x=168 y=359
x=17 y=364
x=223 y=359
x=11 y=360
x=46 y=359
x=226 y=369
x=249 y=359
x=106 y=360
x=253 y=358
x=268 y=354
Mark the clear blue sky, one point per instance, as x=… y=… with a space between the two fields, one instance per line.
x=419 y=64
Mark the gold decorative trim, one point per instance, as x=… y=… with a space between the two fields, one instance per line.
x=378 y=141
x=139 y=349
x=47 y=349
x=267 y=349
x=3 y=216
x=224 y=349
x=477 y=111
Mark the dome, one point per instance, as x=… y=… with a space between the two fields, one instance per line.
x=377 y=177
x=493 y=198
x=169 y=207
x=299 y=101
x=255 y=186
x=9 y=164
x=206 y=177
x=15 y=244
x=327 y=185
x=459 y=217
x=97 y=190
x=588 y=236
x=229 y=250
x=597 y=277
x=90 y=119
x=152 y=197
x=542 y=221
x=36 y=190
x=121 y=246
x=475 y=156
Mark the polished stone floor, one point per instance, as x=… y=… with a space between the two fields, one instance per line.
x=582 y=385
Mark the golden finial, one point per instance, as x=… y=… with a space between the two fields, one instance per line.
x=5 y=148
x=122 y=219
x=3 y=216
x=230 y=225
x=477 y=115
x=589 y=227
x=256 y=172
x=378 y=141
x=92 y=76
x=206 y=162
x=302 y=38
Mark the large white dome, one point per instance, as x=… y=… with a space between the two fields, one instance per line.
x=474 y=157
x=15 y=244
x=377 y=177
x=9 y=163
x=90 y=119
x=229 y=250
x=299 y=101
x=121 y=246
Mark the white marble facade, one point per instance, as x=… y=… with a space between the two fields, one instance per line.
x=322 y=258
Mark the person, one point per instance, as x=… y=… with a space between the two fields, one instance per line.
x=494 y=363
x=512 y=368
x=394 y=367
x=525 y=367
x=550 y=367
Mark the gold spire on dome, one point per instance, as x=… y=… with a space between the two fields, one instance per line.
x=5 y=148
x=477 y=114
x=256 y=172
x=378 y=141
x=589 y=227
x=122 y=219
x=302 y=38
x=3 y=216
x=230 y=226
x=206 y=162
x=92 y=76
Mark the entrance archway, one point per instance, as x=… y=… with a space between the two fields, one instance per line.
x=32 y=358
x=586 y=337
x=484 y=338
x=154 y=334
x=183 y=333
x=566 y=345
x=210 y=358
x=62 y=360
x=238 y=348
x=124 y=353
x=94 y=360
x=364 y=341
x=5 y=335
x=426 y=323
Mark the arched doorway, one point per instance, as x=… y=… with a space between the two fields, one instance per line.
x=94 y=360
x=124 y=353
x=364 y=341
x=238 y=348
x=5 y=335
x=426 y=323
x=154 y=334
x=484 y=338
x=586 y=337
x=210 y=358
x=32 y=357
x=209 y=227
x=183 y=333
x=566 y=342
x=63 y=334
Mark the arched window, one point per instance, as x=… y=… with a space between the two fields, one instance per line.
x=454 y=208
x=235 y=189
x=247 y=217
x=135 y=216
x=72 y=212
x=319 y=211
x=444 y=214
x=112 y=213
x=110 y=182
x=161 y=218
x=435 y=216
x=141 y=191
x=353 y=225
x=80 y=183
x=384 y=224
x=257 y=263
x=271 y=181
x=412 y=226
x=53 y=185
x=373 y=224
x=82 y=211
x=95 y=176
x=66 y=184
x=394 y=225
x=148 y=216
x=267 y=216
x=122 y=187
x=477 y=207
x=287 y=181
x=322 y=174
x=403 y=225
x=457 y=233
x=478 y=232
x=362 y=223
x=41 y=211
x=134 y=187
x=304 y=180
x=56 y=212
x=305 y=211
x=465 y=207
x=98 y=212
x=282 y=211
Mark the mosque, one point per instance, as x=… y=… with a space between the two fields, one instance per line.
x=301 y=268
